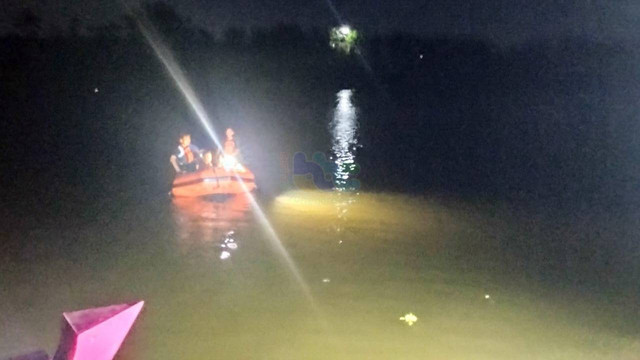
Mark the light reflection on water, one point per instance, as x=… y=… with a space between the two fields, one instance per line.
x=371 y=259
x=209 y=226
x=344 y=127
x=344 y=131
x=401 y=255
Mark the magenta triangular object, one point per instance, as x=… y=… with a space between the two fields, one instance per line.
x=85 y=319
x=96 y=334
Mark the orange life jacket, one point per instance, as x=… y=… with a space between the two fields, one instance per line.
x=229 y=147
x=188 y=154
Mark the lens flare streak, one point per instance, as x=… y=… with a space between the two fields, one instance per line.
x=164 y=54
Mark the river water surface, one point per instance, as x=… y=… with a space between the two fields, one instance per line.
x=218 y=284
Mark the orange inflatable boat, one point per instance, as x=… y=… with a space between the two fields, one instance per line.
x=214 y=181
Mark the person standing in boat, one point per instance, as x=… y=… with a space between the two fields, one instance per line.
x=230 y=148
x=228 y=158
x=185 y=159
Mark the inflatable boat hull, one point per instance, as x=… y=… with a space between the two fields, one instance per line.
x=216 y=181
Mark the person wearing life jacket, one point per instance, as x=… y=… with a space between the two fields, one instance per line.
x=229 y=157
x=186 y=157
x=230 y=148
x=207 y=160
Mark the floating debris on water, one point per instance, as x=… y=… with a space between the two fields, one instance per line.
x=410 y=319
x=326 y=280
x=225 y=255
x=96 y=90
x=488 y=298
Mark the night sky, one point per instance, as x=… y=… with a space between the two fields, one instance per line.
x=502 y=21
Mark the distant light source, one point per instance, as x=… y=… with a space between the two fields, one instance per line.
x=343 y=38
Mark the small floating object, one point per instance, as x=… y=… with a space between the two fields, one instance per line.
x=488 y=298
x=225 y=255
x=326 y=280
x=96 y=90
x=410 y=319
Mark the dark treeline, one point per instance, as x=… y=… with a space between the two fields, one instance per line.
x=553 y=121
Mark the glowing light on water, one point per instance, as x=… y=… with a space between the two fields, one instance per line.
x=344 y=128
x=410 y=319
x=229 y=242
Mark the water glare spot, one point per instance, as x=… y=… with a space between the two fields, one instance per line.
x=488 y=298
x=344 y=128
x=409 y=319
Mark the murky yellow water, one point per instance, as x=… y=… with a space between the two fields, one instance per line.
x=367 y=259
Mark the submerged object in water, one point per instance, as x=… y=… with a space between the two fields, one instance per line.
x=214 y=181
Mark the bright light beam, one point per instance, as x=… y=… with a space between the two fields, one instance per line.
x=164 y=54
x=276 y=242
x=344 y=27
